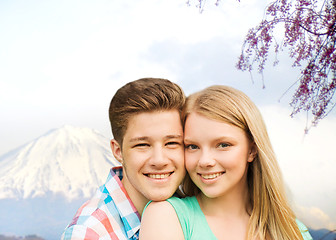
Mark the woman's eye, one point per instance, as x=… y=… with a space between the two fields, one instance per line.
x=223 y=145
x=191 y=147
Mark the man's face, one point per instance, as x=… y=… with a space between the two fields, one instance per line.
x=153 y=156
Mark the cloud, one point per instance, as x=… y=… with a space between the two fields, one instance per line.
x=315 y=218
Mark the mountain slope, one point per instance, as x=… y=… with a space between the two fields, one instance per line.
x=69 y=160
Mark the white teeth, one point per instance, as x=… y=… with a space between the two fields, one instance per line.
x=159 y=176
x=211 y=176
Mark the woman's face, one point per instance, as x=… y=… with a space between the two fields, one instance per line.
x=216 y=156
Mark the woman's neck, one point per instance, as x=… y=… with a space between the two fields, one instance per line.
x=227 y=216
x=234 y=203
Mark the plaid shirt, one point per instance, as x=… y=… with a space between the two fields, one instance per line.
x=110 y=214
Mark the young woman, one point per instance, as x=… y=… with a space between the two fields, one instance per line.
x=234 y=185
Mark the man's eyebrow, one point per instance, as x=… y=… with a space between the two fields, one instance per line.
x=137 y=139
x=173 y=136
x=145 y=138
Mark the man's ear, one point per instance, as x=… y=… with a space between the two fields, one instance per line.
x=253 y=153
x=116 y=150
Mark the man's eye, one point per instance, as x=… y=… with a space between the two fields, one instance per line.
x=142 y=145
x=173 y=143
x=223 y=145
x=191 y=147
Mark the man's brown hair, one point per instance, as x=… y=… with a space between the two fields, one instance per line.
x=142 y=95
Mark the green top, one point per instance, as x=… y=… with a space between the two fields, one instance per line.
x=194 y=224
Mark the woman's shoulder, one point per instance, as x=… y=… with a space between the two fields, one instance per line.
x=153 y=207
x=185 y=200
x=153 y=223
x=183 y=205
x=169 y=205
x=304 y=230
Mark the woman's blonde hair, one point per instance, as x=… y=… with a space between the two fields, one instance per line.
x=271 y=215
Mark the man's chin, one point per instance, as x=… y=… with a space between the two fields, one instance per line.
x=162 y=197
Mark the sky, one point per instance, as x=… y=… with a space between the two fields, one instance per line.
x=62 y=61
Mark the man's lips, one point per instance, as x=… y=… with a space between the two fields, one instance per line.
x=158 y=175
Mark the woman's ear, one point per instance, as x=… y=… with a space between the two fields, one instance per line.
x=116 y=150
x=253 y=152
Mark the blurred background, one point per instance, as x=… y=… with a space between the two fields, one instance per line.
x=62 y=61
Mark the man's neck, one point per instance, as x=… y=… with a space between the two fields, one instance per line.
x=138 y=200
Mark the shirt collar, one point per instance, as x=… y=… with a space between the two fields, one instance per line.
x=129 y=214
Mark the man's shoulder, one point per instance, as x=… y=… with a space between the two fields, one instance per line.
x=90 y=207
x=98 y=202
x=97 y=218
x=88 y=212
x=103 y=214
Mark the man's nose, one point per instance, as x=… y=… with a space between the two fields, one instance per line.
x=159 y=158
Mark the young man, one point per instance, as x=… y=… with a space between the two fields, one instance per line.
x=148 y=142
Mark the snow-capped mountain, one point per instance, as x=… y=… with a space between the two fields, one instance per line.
x=69 y=160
